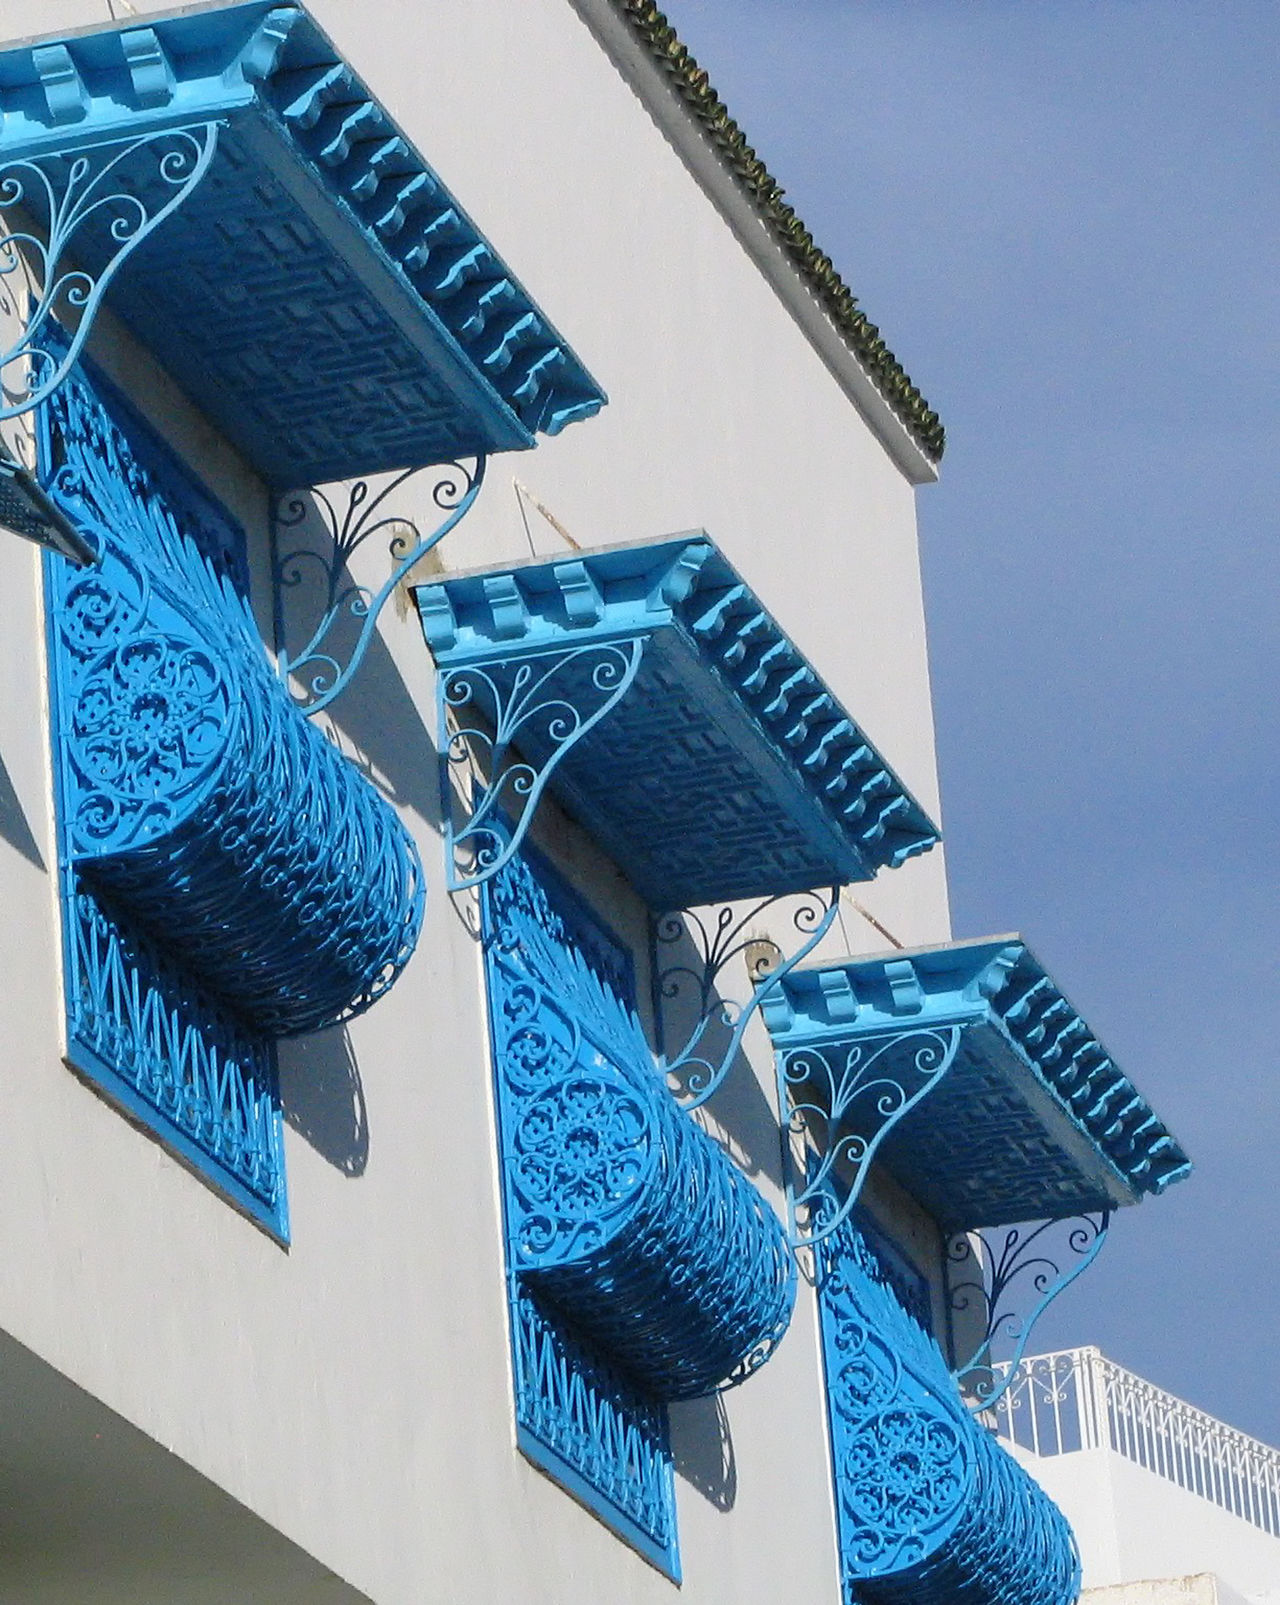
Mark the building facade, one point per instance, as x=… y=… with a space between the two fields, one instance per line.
x=1167 y=1502
x=496 y=1109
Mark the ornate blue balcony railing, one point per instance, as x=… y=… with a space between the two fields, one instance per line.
x=930 y=1509
x=593 y=1430
x=643 y=1267
x=580 y=1414
x=194 y=794
x=228 y=876
x=621 y=1211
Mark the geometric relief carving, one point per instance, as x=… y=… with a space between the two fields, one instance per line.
x=983 y=1154
x=705 y=813
x=288 y=331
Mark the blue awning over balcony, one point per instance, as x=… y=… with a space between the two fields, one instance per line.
x=726 y=770
x=1032 y=1121
x=318 y=292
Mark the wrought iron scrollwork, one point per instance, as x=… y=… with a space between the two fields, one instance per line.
x=930 y=1508
x=620 y=1210
x=985 y=1268
x=59 y=203
x=194 y=797
x=839 y=1104
x=316 y=674
x=717 y=938
x=505 y=727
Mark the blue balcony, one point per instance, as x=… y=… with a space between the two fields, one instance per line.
x=930 y=1509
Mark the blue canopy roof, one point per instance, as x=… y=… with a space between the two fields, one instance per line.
x=1033 y=1121
x=319 y=292
x=728 y=769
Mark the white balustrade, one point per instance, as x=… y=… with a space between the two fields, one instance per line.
x=1078 y=1399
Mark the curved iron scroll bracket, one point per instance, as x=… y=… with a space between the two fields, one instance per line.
x=504 y=728
x=717 y=940
x=297 y=566
x=837 y=1107
x=1021 y=1258
x=58 y=201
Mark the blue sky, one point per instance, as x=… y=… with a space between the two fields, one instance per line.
x=1063 y=217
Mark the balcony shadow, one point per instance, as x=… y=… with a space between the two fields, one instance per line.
x=740 y=1115
x=13 y=822
x=322 y=1098
x=380 y=727
x=702 y=1448
x=375 y=720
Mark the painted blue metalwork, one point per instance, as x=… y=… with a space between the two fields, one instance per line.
x=549 y=703
x=142 y=1023
x=587 y=1425
x=580 y=1415
x=727 y=771
x=194 y=795
x=1033 y=1121
x=621 y=1211
x=698 y=1069
x=174 y=1056
x=323 y=675
x=1038 y=1260
x=61 y=199
x=931 y=1510
x=839 y=1104
x=320 y=293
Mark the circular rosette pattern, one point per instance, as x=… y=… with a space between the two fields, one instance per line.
x=665 y=1254
x=1009 y=1542
x=237 y=835
x=148 y=727
x=902 y=1477
x=581 y=1152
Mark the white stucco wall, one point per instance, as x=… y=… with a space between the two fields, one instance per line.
x=353 y=1391
x=1204 y=1589
x=1133 y=1526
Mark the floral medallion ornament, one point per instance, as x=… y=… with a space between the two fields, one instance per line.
x=621 y=1211
x=931 y=1509
x=199 y=801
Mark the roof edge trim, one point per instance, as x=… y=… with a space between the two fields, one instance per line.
x=650 y=55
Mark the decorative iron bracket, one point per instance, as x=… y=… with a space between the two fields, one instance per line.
x=323 y=676
x=521 y=721
x=838 y=1104
x=71 y=195
x=718 y=939
x=993 y=1263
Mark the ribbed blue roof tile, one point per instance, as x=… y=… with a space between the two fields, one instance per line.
x=1034 y=1120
